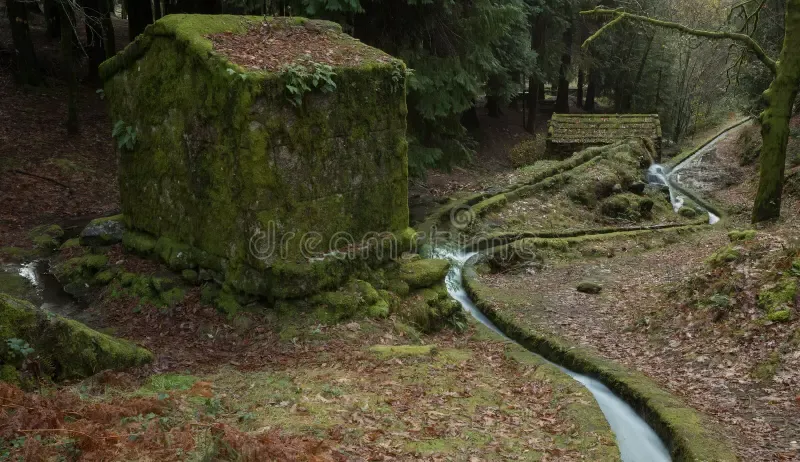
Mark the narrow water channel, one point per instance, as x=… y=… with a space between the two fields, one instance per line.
x=636 y=440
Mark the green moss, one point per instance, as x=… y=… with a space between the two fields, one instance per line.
x=744 y=235
x=589 y=287
x=46 y=237
x=778 y=296
x=73 y=243
x=9 y=374
x=780 y=316
x=398 y=351
x=81 y=270
x=687 y=212
x=162 y=383
x=430 y=310
x=73 y=350
x=176 y=255
x=627 y=205
x=726 y=254
x=172 y=296
x=424 y=272
x=104 y=277
x=226 y=303
x=189 y=275
x=16 y=253
x=140 y=243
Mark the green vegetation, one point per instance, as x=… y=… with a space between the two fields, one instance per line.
x=64 y=349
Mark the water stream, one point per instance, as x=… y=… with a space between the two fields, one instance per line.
x=636 y=440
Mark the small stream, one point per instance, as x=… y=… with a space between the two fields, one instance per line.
x=636 y=440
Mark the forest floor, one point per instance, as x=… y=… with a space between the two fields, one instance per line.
x=726 y=361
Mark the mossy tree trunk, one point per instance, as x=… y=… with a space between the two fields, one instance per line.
x=68 y=58
x=26 y=66
x=562 y=98
x=580 y=88
x=775 y=119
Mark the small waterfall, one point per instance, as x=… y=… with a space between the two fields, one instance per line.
x=637 y=441
x=656 y=175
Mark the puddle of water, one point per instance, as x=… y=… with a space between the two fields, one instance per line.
x=49 y=294
x=637 y=441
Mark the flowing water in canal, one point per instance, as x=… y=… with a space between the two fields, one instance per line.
x=637 y=441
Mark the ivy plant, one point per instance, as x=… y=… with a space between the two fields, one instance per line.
x=305 y=76
x=125 y=135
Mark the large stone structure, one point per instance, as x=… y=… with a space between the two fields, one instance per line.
x=214 y=154
x=571 y=133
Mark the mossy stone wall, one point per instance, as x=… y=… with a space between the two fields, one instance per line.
x=220 y=154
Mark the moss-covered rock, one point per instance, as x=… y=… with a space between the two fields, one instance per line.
x=77 y=274
x=726 y=254
x=779 y=296
x=628 y=206
x=589 y=287
x=742 y=235
x=780 y=316
x=424 y=272
x=223 y=164
x=687 y=212
x=103 y=231
x=65 y=348
x=431 y=309
x=46 y=237
x=357 y=298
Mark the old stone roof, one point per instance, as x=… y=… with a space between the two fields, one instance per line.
x=602 y=128
x=238 y=42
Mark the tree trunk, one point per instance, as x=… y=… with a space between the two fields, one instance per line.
x=580 y=88
x=109 y=39
x=139 y=16
x=493 y=106
x=51 y=18
x=26 y=66
x=67 y=18
x=95 y=45
x=639 y=73
x=562 y=98
x=591 y=91
x=538 y=31
x=775 y=120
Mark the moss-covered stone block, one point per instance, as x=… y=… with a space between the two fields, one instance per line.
x=424 y=273
x=140 y=243
x=224 y=164
x=67 y=348
x=431 y=309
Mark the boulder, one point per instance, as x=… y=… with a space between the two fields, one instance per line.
x=589 y=287
x=103 y=232
x=64 y=349
x=424 y=273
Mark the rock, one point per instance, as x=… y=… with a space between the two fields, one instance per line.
x=628 y=206
x=617 y=188
x=103 y=232
x=637 y=188
x=430 y=310
x=65 y=349
x=589 y=287
x=358 y=298
x=746 y=235
x=424 y=273
x=46 y=237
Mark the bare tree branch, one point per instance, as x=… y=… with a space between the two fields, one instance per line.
x=744 y=39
